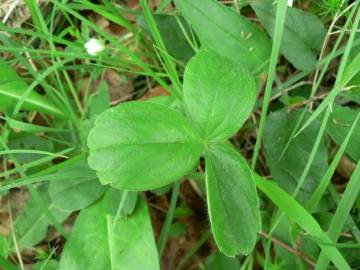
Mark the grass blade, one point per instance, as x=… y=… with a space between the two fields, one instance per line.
x=340 y=217
x=275 y=51
x=299 y=214
x=321 y=188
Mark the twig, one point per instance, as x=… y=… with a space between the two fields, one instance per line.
x=285 y=246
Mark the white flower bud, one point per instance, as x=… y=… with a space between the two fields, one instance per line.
x=94 y=46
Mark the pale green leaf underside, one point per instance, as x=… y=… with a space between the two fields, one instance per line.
x=232 y=200
x=96 y=243
x=31 y=226
x=218 y=95
x=142 y=146
x=78 y=192
x=223 y=30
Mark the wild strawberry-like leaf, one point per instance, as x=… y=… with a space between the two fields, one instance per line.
x=232 y=200
x=218 y=95
x=303 y=33
x=101 y=241
x=142 y=146
x=231 y=35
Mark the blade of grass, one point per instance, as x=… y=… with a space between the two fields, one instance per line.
x=342 y=212
x=350 y=222
x=318 y=78
x=302 y=217
x=275 y=51
x=109 y=15
x=31 y=151
x=163 y=5
x=321 y=188
x=331 y=97
x=34 y=163
x=28 y=127
x=168 y=63
x=343 y=75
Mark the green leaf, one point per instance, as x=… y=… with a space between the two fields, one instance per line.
x=113 y=200
x=305 y=220
x=341 y=214
x=223 y=30
x=100 y=100
x=4 y=246
x=13 y=88
x=232 y=200
x=351 y=71
x=354 y=92
x=76 y=193
x=288 y=170
x=142 y=145
x=97 y=243
x=302 y=37
x=219 y=261
x=219 y=96
x=31 y=226
x=338 y=127
x=46 y=265
x=172 y=35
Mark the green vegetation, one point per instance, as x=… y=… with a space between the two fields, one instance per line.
x=179 y=135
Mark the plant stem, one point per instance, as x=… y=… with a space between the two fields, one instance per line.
x=194 y=249
x=288 y=248
x=169 y=218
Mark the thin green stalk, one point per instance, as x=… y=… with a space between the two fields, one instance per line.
x=169 y=218
x=313 y=153
x=193 y=249
x=279 y=27
x=343 y=210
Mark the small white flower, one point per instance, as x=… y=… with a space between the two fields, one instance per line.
x=290 y=3
x=94 y=46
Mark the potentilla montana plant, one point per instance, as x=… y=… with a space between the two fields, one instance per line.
x=140 y=146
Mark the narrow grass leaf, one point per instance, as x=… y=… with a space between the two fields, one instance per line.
x=342 y=212
x=299 y=214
